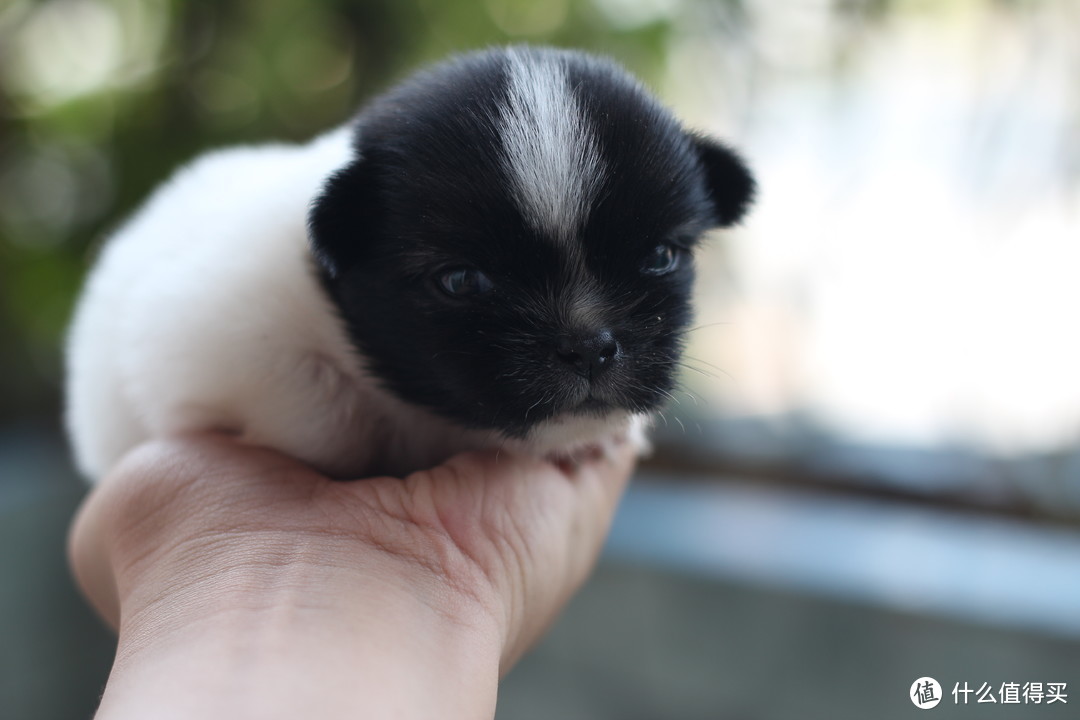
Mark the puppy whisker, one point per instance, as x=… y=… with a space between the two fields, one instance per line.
x=709 y=325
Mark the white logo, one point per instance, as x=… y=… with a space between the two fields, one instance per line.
x=925 y=693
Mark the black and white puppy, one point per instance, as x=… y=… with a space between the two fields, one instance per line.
x=495 y=253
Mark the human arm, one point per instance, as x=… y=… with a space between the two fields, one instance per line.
x=245 y=585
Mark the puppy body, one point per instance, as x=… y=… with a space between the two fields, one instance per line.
x=434 y=277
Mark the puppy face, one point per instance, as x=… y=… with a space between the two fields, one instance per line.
x=512 y=243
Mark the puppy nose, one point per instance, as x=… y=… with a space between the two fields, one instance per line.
x=588 y=355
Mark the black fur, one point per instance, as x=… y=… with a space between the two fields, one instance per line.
x=428 y=193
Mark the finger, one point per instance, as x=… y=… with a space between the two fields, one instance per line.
x=159 y=484
x=209 y=455
x=142 y=481
x=89 y=560
x=609 y=472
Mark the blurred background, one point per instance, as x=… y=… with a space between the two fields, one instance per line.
x=872 y=473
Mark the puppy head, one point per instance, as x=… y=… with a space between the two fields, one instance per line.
x=512 y=243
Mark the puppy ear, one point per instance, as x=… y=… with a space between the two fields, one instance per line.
x=729 y=182
x=342 y=218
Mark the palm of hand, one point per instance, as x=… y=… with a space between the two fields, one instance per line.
x=507 y=537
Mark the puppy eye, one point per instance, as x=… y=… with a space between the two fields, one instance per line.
x=464 y=282
x=662 y=260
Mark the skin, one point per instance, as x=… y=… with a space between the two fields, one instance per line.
x=245 y=585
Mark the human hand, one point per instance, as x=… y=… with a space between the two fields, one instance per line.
x=412 y=587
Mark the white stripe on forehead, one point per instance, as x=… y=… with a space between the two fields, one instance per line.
x=549 y=153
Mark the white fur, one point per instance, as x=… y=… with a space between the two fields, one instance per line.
x=203 y=314
x=549 y=151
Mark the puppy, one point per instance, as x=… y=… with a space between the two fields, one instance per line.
x=496 y=253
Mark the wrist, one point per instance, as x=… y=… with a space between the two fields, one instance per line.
x=282 y=633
